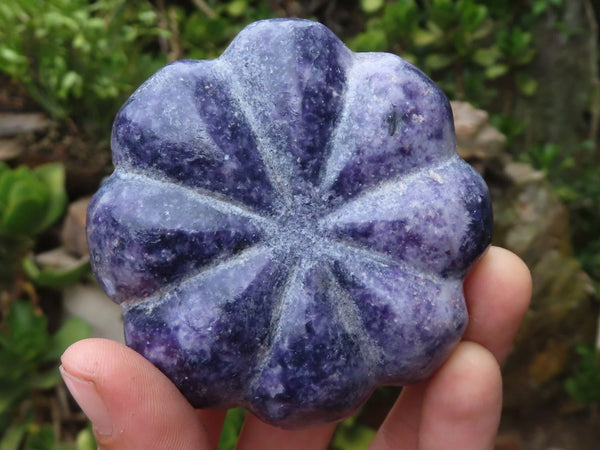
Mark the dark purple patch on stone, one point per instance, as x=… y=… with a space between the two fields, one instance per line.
x=143 y=240
x=321 y=92
x=396 y=121
x=301 y=72
x=215 y=148
x=316 y=369
x=217 y=364
x=478 y=205
x=427 y=235
x=406 y=315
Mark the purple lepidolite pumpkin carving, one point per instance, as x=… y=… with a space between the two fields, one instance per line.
x=289 y=225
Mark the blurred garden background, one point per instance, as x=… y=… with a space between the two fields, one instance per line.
x=523 y=78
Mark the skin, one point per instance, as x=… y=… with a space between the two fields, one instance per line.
x=135 y=406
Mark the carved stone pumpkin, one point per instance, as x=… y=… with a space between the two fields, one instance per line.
x=289 y=225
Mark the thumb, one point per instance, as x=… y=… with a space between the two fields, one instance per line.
x=130 y=402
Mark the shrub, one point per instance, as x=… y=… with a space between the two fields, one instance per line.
x=78 y=59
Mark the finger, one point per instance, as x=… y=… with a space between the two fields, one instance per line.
x=213 y=423
x=130 y=402
x=257 y=434
x=400 y=429
x=463 y=402
x=497 y=292
x=458 y=408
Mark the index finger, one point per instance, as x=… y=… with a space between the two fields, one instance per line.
x=497 y=293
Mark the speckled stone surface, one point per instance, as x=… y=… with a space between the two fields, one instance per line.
x=289 y=225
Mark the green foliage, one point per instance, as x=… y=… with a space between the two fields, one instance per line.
x=350 y=435
x=546 y=157
x=32 y=436
x=56 y=276
x=509 y=126
x=467 y=46
x=204 y=34
x=29 y=357
x=584 y=385
x=78 y=59
x=232 y=428
x=31 y=199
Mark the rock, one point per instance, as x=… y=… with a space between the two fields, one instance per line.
x=10 y=149
x=57 y=258
x=522 y=173
x=468 y=121
x=562 y=316
x=12 y=124
x=475 y=137
x=91 y=304
x=530 y=220
x=73 y=230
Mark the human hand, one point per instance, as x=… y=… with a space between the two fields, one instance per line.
x=132 y=405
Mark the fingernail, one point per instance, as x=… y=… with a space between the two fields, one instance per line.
x=86 y=395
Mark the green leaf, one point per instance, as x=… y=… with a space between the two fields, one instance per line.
x=423 y=37
x=23 y=203
x=231 y=428
x=45 y=380
x=70 y=84
x=472 y=16
x=371 y=6
x=26 y=339
x=31 y=200
x=74 y=329
x=40 y=437
x=14 y=435
x=56 y=277
x=369 y=41
x=350 y=435
x=584 y=384
x=148 y=17
x=237 y=8
x=496 y=71
x=486 y=57
x=81 y=43
x=60 y=22
x=539 y=7
x=11 y=56
x=85 y=440
x=437 y=61
x=28 y=336
x=399 y=20
x=53 y=176
x=526 y=83
x=11 y=394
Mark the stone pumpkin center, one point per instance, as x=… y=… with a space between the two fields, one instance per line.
x=298 y=228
